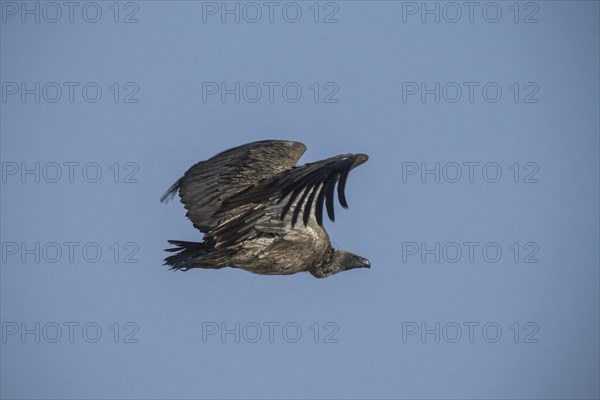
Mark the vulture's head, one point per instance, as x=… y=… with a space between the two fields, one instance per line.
x=342 y=260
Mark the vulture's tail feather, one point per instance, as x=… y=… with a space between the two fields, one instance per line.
x=190 y=255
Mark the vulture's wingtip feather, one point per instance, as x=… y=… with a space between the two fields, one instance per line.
x=360 y=158
x=171 y=192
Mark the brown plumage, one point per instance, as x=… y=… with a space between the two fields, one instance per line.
x=262 y=213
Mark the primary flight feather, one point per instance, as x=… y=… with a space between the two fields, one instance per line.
x=262 y=213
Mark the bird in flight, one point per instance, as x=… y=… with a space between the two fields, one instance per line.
x=262 y=213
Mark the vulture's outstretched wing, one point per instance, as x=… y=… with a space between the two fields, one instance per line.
x=205 y=186
x=303 y=189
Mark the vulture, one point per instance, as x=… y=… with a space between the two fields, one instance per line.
x=262 y=213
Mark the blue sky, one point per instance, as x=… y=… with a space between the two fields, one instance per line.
x=478 y=207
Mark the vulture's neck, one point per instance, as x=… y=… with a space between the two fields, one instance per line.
x=329 y=265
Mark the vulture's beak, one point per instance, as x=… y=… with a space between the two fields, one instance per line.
x=365 y=263
x=360 y=262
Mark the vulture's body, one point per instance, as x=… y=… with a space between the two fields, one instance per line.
x=262 y=213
